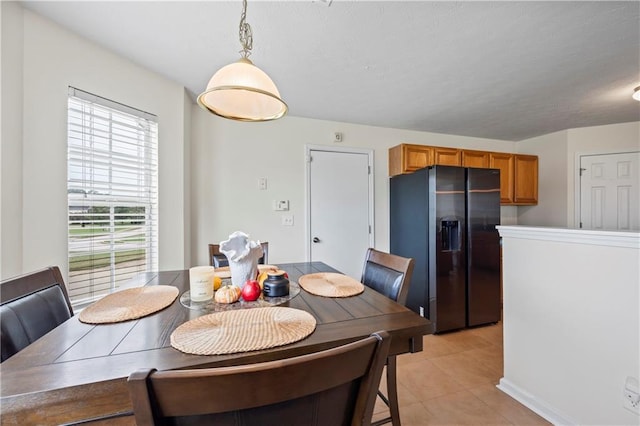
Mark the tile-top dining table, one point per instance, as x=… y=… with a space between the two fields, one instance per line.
x=79 y=371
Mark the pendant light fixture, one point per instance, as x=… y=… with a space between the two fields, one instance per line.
x=241 y=91
x=636 y=93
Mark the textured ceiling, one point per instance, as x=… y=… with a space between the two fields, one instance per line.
x=502 y=70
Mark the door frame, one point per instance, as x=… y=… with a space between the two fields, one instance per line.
x=327 y=148
x=577 y=187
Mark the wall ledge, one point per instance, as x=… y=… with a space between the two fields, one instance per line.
x=626 y=239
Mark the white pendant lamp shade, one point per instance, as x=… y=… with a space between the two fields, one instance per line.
x=636 y=93
x=242 y=91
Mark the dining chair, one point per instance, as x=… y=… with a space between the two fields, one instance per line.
x=336 y=386
x=218 y=259
x=388 y=274
x=31 y=305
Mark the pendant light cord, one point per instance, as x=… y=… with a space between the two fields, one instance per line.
x=246 y=36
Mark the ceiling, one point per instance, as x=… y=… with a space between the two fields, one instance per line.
x=501 y=70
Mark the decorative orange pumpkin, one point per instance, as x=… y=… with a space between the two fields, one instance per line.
x=227 y=294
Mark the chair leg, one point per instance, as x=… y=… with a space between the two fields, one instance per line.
x=392 y=391
x=391 y=399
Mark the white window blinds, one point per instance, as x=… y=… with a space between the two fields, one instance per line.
x=112 y=191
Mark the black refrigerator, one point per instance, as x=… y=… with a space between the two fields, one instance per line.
x=445 y=218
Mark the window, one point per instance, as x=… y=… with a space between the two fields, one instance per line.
x=112 y=192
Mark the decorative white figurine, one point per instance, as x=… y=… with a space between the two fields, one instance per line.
x=243 y=255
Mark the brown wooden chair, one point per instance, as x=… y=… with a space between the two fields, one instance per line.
x=217 y=259
x=334 y=387
x=390 y=275
x=31 y=305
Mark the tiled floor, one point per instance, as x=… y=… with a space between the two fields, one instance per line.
x=453 y=382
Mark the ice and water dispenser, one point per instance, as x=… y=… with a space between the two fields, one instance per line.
x=450 y=235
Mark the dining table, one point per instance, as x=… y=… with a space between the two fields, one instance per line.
x=77 y=373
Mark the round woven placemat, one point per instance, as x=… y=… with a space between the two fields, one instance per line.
x=129 y=304
x=242 y=330
x=330 y=284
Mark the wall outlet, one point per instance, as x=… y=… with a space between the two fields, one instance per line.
x=287 y=220
x=262 y=183
x=631 y=395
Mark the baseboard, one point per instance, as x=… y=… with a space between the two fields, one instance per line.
x=541 y=408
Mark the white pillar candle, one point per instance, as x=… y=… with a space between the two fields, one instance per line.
x=201 y=283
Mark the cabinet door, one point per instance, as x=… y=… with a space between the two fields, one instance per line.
x=416 y=157
x=504 y=162
x=478 y=159
x=407 y=158
x=446 y=156
x=526 y=179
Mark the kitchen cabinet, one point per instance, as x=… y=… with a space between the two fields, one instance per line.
x=446 y=156
x=518 y=177
x=518 y=172
x=525 y=190
x=504 y=162
x=407 y=158
x=478 y=159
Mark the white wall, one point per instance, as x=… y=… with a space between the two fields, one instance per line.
x=571 y=322
x=558 y=167
x=54 y=59
x=228 y=158
x=11 y=139
x=552 y=181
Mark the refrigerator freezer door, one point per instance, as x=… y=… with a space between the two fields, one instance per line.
x=483 y=214
x=447 y=265
x=408 y=229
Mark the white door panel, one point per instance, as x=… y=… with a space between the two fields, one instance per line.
x=609 y=191
x=340 y=205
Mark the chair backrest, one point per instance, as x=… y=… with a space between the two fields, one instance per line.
x=217 y=259
x=31 y=305
x=334 y=387
x=388 y=274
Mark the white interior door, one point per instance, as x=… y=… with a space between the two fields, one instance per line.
x=340 y=207
x=609 y=188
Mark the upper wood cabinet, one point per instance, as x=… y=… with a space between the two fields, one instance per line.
x=504 y=162
x=478 y=159
x=446 y=156
x=407 y=158
x=518 y=172
x=525 y=179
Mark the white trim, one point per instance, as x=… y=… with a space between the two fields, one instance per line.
x=328 y=148
x=625 y=239
x=539 y=407
x=577 y=206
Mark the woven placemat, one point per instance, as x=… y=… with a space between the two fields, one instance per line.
x=330 y=284
x=129 y=304
x=242 y=330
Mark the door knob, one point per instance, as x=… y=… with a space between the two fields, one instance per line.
x=316 y=239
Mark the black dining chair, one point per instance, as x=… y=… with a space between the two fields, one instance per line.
x=336 y=386
x=218 y=259
x=390 y=275
x=31 y=305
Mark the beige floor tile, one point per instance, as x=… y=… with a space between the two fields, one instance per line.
x=461 y=408
x=414 y=415
x=451 y=343
x=422 y=381
x=506 y=406
x=471 y=368
x=490 y=333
